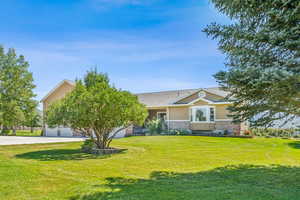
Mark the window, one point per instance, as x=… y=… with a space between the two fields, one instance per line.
x=211 y=114
x=201 y=94
x=202 y=114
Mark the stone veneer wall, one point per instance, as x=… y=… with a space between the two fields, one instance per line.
x=178 y=124
x=218 y=125
x=227 y=125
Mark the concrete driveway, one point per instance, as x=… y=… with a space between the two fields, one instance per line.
x=11 y=140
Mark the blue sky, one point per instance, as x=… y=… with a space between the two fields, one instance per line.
x=143 y=45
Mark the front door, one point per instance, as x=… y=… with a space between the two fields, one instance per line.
x=162 y=116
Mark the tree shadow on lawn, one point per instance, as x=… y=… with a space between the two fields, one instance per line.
x=240 y=182
x=295 y=145
x=59 y=154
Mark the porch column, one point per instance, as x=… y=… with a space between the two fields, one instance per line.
x=168 y=118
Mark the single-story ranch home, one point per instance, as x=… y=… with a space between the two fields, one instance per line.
x=196 y=110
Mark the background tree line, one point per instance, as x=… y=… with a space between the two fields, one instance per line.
x=17 y=104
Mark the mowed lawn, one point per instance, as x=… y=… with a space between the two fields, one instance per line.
x=155 y=167
x=26 y=133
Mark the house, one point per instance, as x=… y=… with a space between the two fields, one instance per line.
x=197 y=110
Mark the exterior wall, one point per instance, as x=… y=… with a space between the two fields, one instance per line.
x=179 y=125
x=219 y=125
x=227 y=125
x=59 y=93
x=202 y=126
x=200 y=103
x=179 y=113
x=120 y=134
x=222 y=112
x=179 y=119
x=62 y=132
x=68 y=132
x=129 y=131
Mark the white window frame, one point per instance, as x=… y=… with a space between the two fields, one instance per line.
x=192 y=113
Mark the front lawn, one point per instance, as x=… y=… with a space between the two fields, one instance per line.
x=157 y=167
x=26 y=133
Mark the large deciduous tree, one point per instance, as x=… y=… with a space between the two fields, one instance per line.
x=16 y=90
x=97 y=109
x=262 y=46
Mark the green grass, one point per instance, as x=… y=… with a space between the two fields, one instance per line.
x=157 y=167
x=27 y=133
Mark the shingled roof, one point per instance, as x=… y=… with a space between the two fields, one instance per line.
x=160 y=99
x=165 y=98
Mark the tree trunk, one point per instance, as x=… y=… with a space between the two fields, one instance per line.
x=5 y=130
x=113 y=135
x=14 y=131
x=98 y=141
x=31 y=129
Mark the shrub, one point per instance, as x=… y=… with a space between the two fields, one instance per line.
x=154 y=126
x=179 y=132
x=273 y=132
x=247 y=132
x=226 y=132
x=4 y=132
x=88 y=146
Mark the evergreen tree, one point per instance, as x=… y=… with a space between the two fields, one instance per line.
x=16 y=85
x=262 y=46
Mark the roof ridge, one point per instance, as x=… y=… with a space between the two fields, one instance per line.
x=167 y=91
x=176 y=90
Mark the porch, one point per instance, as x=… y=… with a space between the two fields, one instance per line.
x=182 y=118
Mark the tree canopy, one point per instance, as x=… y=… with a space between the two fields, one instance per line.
x=16 y=89
x=97 y=109
x=262 y=45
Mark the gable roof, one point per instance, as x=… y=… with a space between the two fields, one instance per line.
x=163 y=98
x=58 y=86
x=168 y=98
x=217 y=91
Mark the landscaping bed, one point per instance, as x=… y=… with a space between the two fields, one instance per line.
x=104 y=151
x=89 y=146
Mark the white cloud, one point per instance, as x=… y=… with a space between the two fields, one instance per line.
x=129 y=50
x=120 y=55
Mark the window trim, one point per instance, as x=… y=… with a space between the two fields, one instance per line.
x=191 y=114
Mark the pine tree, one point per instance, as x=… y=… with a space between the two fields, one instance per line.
x=262 y=46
